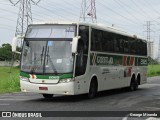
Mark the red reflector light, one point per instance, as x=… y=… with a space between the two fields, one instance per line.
x=43 y=88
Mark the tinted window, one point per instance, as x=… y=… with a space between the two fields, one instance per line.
x=96 y=44
x=144 y=48
x=104 y=41
x=109 y=37
x=126 y=45
x=132 y=43
x=120 y=40
x=118 y=43
x=139 y=49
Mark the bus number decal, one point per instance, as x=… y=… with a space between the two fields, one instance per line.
x=143 y=61
x=53 y=77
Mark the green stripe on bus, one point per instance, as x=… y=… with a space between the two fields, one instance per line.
x=125 y=60
x=24 y=74
x=52 y=77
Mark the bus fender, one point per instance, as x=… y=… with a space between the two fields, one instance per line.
x=133 y=74
x=92 y=77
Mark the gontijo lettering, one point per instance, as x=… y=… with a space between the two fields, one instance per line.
x=105 y=60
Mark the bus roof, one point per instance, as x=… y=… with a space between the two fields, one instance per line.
x=94 y=25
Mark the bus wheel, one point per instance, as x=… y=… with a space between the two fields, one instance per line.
x=136 y=85
x=131 y=88
x=93 y=89
x=133 y=84
x=48 y=96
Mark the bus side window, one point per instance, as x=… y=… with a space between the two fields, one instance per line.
x=145 y=48
x=99 y=40
x=121 y=45
x=96 y=42
x=138 y=45
x=93 y=41
x=104 y=41
x=126 y=45
x=132 y=44
x=116 y=44
x=110 y=42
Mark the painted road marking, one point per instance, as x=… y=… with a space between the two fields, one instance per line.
x=153 y=108
x=126 y=117
x=3 y=104
x=14 y=99
x=150 y=118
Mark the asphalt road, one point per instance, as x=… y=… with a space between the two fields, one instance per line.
x=147 y=98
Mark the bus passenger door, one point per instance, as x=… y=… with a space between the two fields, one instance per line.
x=81 y=60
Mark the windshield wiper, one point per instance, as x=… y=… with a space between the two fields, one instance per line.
x=42 y=55
x=52 y=65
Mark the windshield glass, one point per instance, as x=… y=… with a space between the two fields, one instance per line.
x=47 y=56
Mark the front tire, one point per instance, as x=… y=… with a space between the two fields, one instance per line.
x=47 y=96
x=93 y=89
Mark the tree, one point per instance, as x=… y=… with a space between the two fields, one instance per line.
x=152 y=61
x=6 y=52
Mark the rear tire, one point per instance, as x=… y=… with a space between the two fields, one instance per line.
x=136 y=85
x=47 y=96
x=93 y=89
x=131 y=88
x=133 y=84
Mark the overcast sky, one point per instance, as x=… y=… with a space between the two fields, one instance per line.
x=129 y=15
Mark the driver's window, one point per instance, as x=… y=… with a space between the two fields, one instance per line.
x=82 y=50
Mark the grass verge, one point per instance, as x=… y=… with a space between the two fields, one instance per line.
x=9 y=82
x=153 y=70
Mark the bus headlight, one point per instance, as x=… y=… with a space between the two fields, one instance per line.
x=24 y=78
x=66 y=80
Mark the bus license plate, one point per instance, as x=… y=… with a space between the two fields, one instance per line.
x=43 y=88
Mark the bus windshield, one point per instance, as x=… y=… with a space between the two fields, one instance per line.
x=47 y=56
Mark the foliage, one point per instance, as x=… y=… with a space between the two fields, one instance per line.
x=153 y=70
x=152 y=61
x=6 y=53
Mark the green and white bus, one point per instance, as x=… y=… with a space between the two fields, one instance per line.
x=78 y=58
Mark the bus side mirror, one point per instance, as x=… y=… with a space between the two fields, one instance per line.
x=14 y=44
x=75 y=44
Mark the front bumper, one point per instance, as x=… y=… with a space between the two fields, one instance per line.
x=60 y=88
